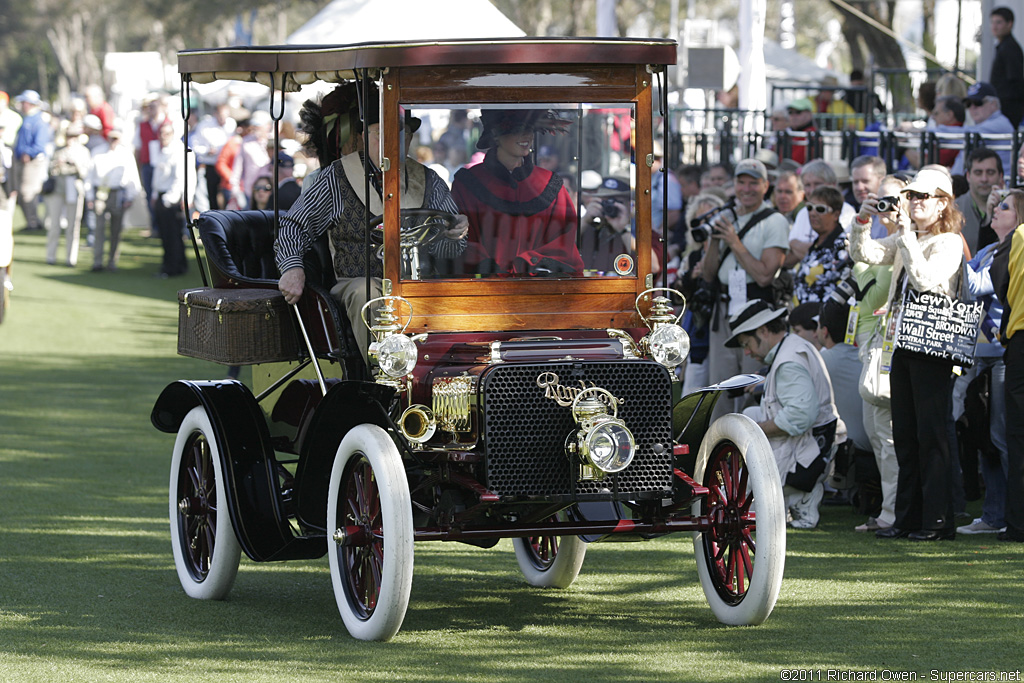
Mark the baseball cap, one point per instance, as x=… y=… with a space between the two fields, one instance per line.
x=612 y=185
x=928 y=180
x=30 y=96
x=979 y=91
x=801 y=104
x=751 y=167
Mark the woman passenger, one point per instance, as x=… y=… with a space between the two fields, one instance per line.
x=522 y=221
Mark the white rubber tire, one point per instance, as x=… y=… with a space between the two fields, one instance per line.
x=203 y=575
x=559 y=572
x=755 y=602
x=394 y=555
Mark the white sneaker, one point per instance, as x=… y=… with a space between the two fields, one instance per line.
x=978 y=526
x=805 y=510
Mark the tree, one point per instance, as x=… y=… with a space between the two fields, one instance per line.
x=57 y=47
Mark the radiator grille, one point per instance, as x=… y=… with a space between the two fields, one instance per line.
x=524 y=432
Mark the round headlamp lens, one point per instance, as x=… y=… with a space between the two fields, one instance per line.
x=669 y=345
x=396 y=355
x=610 y=447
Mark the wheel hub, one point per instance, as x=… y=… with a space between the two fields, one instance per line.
x=193 y=506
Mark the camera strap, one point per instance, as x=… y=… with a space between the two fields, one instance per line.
x=754 y=220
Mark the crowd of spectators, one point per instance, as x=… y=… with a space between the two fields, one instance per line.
x=88 y=168
x=899 y=469
x=908 y=454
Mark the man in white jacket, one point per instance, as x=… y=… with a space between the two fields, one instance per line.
x=797 y=412
x=112 y=186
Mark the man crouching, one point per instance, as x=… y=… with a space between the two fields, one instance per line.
x=797 y=411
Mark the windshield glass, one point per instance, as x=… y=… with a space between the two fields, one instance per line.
x=547 y=191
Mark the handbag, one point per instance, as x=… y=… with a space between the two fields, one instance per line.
x=49 y=185
x=874 y=382
x=939 y=326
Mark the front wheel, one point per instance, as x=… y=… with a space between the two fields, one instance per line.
x=206 y=551
x=740 y=559
x=370 y=534
x=550 y=561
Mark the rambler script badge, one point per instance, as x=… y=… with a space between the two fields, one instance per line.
x=561 y=394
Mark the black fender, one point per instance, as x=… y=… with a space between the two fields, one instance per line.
x=347 y=404
x=250 y=468
x=691 y=416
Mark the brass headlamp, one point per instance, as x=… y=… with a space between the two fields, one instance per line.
x=393 y=353
x=602 y=444
x=668 y=342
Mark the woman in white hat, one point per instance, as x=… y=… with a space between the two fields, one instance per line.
x=926 y=253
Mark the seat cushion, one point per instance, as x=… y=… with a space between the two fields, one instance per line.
x=239 y=246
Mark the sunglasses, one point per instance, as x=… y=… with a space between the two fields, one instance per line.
x=1004 y=206
x=973 y=103
x=919 y=196
x=819 y=208
x=263 y=188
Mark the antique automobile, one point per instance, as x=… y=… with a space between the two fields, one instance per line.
x=537 y=401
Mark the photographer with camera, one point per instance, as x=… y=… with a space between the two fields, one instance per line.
x=607 y=228
x=745 y=253
x=701 y=296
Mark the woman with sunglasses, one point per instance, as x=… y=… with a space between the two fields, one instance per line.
x=828 y=260
x=926 y=253
x=262 y=194
x=1007 y=211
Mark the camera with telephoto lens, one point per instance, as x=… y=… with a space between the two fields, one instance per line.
x=846 y=290
x=887 y=204
x=610 y=207
x=701 y=226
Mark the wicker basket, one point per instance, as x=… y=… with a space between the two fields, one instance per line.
x=236 y=326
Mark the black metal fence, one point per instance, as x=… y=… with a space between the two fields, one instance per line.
x=705 y=137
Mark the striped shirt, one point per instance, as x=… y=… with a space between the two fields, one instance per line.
x=321 y=207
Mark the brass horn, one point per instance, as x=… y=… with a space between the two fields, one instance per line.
x=417 y=423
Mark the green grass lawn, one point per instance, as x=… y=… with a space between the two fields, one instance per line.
x=88 y=590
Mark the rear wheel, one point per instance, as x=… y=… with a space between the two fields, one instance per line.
x=741 y=558
x=550 y=561
x=206 y=551
x=370 y=534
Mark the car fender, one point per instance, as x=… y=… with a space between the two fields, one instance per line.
x=250 y=469
x=691 y=416
x=347 y=404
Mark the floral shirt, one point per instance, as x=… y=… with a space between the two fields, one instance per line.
x=822 y=268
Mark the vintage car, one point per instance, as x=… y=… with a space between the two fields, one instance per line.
x=535 y=402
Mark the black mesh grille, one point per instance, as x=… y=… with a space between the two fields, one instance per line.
x=524 y=432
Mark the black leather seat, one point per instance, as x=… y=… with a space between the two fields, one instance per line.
x=239 y=248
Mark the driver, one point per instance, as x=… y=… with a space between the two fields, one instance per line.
x=522 y=220
x=334 y=203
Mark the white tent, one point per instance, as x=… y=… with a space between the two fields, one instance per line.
x=360 y=21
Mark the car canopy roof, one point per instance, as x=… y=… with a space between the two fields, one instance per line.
x=294 y=66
